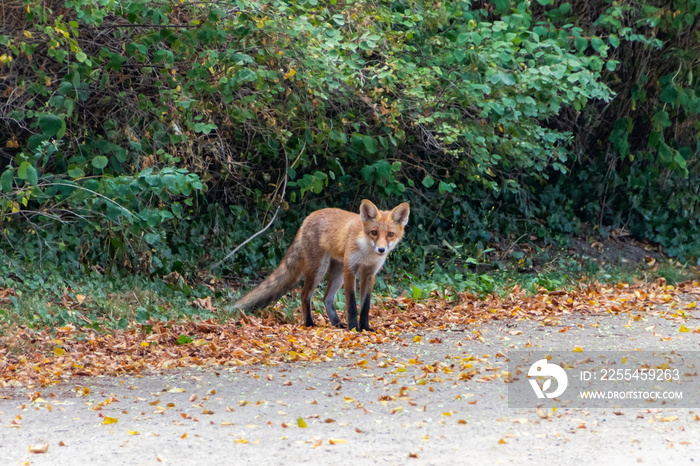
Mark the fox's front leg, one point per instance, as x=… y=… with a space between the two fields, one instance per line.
x=350 y=301
x=366 y=285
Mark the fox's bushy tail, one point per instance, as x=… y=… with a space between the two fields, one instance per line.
x=283 y=279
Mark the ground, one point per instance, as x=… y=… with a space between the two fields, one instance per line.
x=421 y=393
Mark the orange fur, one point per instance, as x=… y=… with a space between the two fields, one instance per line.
x=340 y=245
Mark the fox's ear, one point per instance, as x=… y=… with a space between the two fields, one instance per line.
x=400 y=213
x=368 y=211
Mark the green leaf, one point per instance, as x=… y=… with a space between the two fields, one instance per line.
x=6 y=180
x=35 y=140
x=662 y=119
x=460 y=55
x=183 y=340
x=580 y=43
x=614 y=41
x=32 y=175
x=52 y=125
x=176 y=208
x=152 y=217
x=654 y=139
x=428 y=181
x=665 y=153
x=668 y=94
x=597 y=43
x=22 y=170
x=679 y=160
x=462 y=38
x=370 y=144
x=151 y=238
x=76 y=172
x=416 y=292
x=100 y=162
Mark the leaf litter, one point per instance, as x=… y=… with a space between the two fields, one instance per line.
x=55 y=356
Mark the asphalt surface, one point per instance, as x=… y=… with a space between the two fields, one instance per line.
x=438 y=399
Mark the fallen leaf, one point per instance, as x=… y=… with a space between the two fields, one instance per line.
x=39 y=448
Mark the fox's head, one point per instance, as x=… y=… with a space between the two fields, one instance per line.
x=384 y=228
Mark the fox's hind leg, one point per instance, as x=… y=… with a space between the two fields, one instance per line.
x=335 y=281
x=366 y=285
x=311 y=281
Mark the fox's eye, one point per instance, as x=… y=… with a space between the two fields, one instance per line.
x=390 y=234
x=373 y=232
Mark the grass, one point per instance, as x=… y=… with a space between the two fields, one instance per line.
x=51 y=299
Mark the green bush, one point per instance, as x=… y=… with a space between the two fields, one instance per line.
x=158 y=135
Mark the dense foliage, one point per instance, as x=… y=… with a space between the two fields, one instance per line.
x=157 y=135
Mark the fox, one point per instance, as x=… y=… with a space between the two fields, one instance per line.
x=341 y=245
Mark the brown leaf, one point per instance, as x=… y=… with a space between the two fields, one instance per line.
x=39 y=448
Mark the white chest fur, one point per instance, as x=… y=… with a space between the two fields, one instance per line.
x=366 y=257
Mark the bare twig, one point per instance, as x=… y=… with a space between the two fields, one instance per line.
x=272 y=220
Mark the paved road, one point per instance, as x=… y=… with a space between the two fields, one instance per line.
x=440 y=400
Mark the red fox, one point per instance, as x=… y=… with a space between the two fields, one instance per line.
x=339 y=244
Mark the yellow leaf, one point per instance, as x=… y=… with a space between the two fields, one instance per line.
x=27 y=34
x=336 y=441
x=144 y=344
x=292 y=72
x=58 y=351
x=683 y=329
x=86 y=391
x=132 y=432
x=301 y=422
x=110 y=420
x=417 y=338
x=578 y=349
